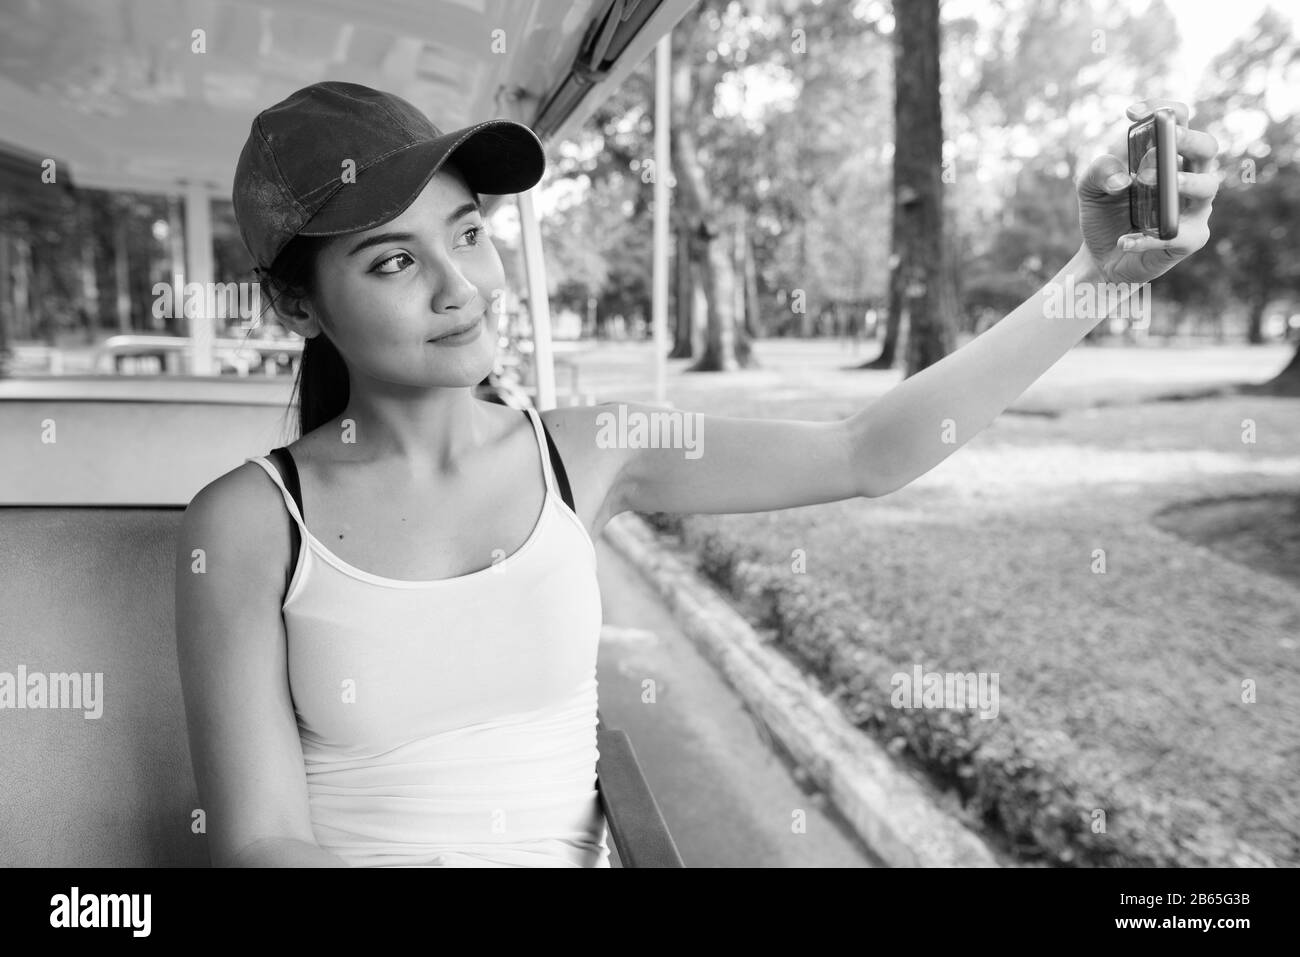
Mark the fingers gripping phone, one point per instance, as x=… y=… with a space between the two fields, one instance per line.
x=1154 y=163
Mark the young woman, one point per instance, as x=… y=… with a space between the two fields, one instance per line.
x=388 y=635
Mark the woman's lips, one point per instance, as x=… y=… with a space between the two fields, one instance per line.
x=465 y=335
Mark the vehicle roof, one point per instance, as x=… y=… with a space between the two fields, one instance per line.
x=112 y=90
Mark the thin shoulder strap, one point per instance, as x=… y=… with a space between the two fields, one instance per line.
x=557 y=465
x=272 y=465
x=289 y=472
x=279 y=464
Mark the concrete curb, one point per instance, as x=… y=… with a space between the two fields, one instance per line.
x=890 y=812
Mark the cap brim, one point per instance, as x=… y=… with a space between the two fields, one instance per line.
x=497 y=157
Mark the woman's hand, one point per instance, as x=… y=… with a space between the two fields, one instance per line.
x=1121 y=255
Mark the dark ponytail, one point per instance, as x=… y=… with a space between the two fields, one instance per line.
x=322 y=387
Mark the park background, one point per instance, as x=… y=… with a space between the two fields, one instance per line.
x=1173 y=446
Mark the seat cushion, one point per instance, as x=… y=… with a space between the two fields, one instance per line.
x=90 y=590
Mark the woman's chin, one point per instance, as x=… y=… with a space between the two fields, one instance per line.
x=460 y=367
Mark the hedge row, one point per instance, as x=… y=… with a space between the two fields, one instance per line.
x=1030 y=789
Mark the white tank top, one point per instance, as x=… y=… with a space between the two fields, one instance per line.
x=451 y=722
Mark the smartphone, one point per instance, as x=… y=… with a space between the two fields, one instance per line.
x=1154 y=163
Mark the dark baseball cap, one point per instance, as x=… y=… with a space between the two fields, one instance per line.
x=290 y=177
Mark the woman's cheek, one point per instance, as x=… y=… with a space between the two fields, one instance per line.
x=494 y=276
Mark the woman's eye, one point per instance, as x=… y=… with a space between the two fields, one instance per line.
x=383 y=262
x=379 y=267
x=394 y=258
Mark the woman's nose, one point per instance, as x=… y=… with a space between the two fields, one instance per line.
x=451 y=288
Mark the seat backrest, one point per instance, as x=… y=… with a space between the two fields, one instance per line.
x=90 y=590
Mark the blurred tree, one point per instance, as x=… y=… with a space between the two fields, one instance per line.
x=786 y=129
x=43 y=281
x=600 y=237
x=921 y=291
x=818 y=176
x=1037 y=83
x=1258 y=204
x=577 y=260
x=704 y=214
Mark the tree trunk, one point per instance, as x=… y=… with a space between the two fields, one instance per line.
x=90 y=300
x=121 y=273
x=744 y=353
x=1287 y=382
x=699 y=210
x=716 y=280
x=685 y=299
x=1255 y=329
x=918 y=187
x=699 y=301
x=24 y=326
x=6 y=298
x=735 y=243
x=46 y=320
x=893 y=315
x=753 y=320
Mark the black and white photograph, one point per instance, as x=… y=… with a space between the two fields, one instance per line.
x=835 y=434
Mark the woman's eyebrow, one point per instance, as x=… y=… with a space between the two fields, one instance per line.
x=454 y=215
x=462 y=209
x=377 y=240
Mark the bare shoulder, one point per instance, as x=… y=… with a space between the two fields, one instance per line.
x=576 y=431
x=242 y=491
x=579 y=422
x=242 y=510
x=570 y=421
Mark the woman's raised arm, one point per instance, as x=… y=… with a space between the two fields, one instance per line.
x=744 y=465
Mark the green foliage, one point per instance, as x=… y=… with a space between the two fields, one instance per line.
x=1043 y=77
x=1030 y=789
x=794 y=125
x=1251 y=257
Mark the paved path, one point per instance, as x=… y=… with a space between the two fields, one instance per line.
x=729 y=801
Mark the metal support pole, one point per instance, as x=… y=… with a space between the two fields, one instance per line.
x=538 y=303
x=198 y=269
x=663 y=164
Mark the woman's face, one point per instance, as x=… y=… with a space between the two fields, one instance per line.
x=385 y=295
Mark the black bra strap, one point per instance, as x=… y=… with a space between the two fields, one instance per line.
x=289 y=473
x=557 y=466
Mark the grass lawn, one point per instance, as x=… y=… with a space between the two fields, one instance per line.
x=1128 y=683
